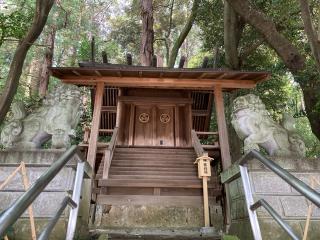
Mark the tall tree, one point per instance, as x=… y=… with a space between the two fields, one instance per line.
x=47 y=62
x=233 y=26
x=184 y=33
x=42 y=10
x=147 y=34
x=307 y=76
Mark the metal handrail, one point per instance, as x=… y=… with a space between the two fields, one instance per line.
x=48 y=229
x=76 y=198
x=294 y=182
x=11 y=215
x=275 y=216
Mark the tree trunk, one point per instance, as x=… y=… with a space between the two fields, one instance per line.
x=311 y=97
x=147 y=34
x=231 y=38
x=184 y=33
x=43 y=8
x=45 y=74
x=233 y=27
x=310 y=30
x=266 y=27
x=33 y=76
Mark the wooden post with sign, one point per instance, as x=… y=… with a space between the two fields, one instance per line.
x=204 y=172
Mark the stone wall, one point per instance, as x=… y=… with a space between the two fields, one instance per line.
x=288 y=203
x=157 y=212
x=46 y=205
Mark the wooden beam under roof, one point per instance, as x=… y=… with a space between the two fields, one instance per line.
x=173 y=83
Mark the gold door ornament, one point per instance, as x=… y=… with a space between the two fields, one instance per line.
x=164 y=118
x=144 y=117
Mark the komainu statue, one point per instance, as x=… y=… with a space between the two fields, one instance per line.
x=256 y=128
x=56 y=119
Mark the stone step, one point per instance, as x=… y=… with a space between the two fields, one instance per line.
x=164 y=201
x=156 y=234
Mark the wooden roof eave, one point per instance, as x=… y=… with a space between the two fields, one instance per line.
x=160 y=78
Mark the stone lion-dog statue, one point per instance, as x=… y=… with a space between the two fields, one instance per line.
x=254 y=125
x=56 y=119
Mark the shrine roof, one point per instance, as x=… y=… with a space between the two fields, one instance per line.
x=159 y=77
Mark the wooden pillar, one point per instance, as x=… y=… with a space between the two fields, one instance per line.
x=92 y=149
x=222 y=128
x=224 y=145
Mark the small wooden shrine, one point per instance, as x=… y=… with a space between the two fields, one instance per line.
x=159 y=123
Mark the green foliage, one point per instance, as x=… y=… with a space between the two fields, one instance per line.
x=126 y=33
x=210 y=21
x=85 y=50
x=14 y=25
x=311 y=141
x=230 y=237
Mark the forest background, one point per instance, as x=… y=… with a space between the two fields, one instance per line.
x=277 y=36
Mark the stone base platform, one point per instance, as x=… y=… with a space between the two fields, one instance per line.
x=142 y=211
x=288 y=203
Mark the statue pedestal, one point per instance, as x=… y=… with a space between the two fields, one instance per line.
x=48 y=202
x=265 y=184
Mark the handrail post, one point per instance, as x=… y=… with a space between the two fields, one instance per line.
x=48 y=229
x=275 y=216
x=249 y=201
x=76 y=198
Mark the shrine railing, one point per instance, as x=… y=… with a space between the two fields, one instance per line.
x=108 y=153
x=197 y=145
